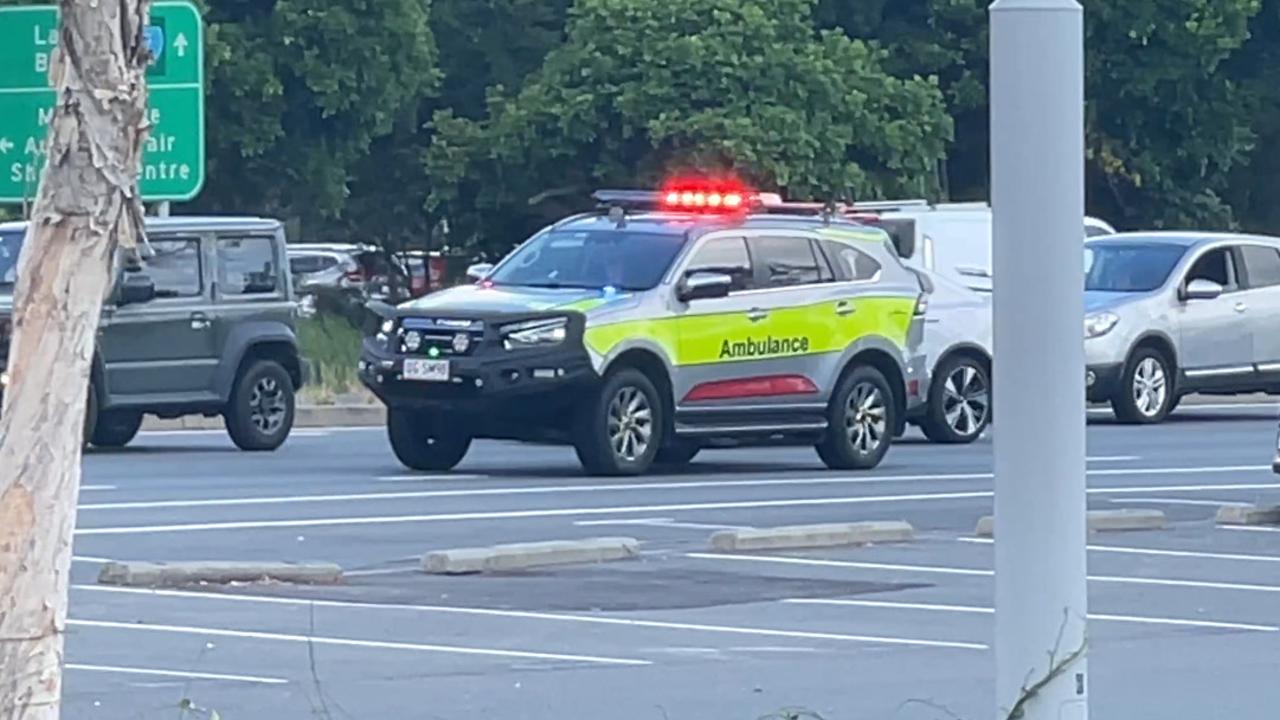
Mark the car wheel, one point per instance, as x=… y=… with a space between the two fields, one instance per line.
x=677 y=452
x=116 y=428
x=421 y=442
x=959 y=405
x=618 y=430
x=860 y=421
x=1145 y=394
x=90 y=415
x=260 y=414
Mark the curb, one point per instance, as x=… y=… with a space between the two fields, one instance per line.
x=1098 y=521
x=305 y=416
x=148 y=574
x=518 y=556
x=812 y=536
x=1248 y=515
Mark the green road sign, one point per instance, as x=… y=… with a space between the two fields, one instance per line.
x=173 y=160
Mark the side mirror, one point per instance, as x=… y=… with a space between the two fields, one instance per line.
x=479 y=271
x=1202 y=289
x=136 y=288
x=705 y=285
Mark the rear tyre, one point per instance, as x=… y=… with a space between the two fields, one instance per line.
x=677 y=452
x=860 y=421
x=422 y=442
x=116 y=428
x=959 y=406
x=90 y=415
x=1145 y=395
x=618 y=430
x=260 y=414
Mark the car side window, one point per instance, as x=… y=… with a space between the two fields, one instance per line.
x=784 y=261
x=247 y=266
x=1261 y=265
x=853 y=264
x=175 y=268
x=1216 y=265
x=724 y=255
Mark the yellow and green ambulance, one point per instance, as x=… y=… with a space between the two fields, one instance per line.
x=660 y=324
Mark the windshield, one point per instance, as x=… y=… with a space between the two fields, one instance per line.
x=591 y=259
x=10 y=244
x=1129 y=267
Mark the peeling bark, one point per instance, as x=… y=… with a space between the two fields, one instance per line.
x=86 y=207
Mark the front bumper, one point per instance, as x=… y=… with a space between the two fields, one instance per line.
x=1102 y=382
x=521 y=395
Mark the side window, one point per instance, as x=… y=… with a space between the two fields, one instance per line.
x=1215 y=265
x=853 y=264
x=247 y=266
x=306 y=263
x=1261 y=265
x=175 y=267
x=825 y=272
x=724 y=255
x=784 y=261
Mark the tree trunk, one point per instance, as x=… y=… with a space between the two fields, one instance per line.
x=86 y=207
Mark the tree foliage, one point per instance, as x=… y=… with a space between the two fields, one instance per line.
x=644 y=89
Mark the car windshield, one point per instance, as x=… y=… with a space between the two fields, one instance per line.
x=1129 y=267
x=10 y=244
x=620 y=259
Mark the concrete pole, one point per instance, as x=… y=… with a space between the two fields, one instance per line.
x=1037 y=192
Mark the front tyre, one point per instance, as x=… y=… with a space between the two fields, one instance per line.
x=421 y=442
x=260 y=414
x=1145 y=395
x=116 y=428
x=860 y=421
x=959 y=401
x=619 y=429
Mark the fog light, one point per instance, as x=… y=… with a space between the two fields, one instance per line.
x=4 y=379
x=412 y=341
x=461 y=343
x=1090 y=378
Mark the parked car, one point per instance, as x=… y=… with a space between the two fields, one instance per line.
x=204 y=327
x=954 y=356
x=1174 y=313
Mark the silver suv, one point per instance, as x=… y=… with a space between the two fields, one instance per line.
x=1173 y=313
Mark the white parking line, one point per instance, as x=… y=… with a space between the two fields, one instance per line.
x=657 y=522
x=1176 y=501
x=616 y=510
x=349 y=642
x=1156 y=553
x=1139 y=619
x=983 y=573
x=430 y=478
x=188 y=675
x=92 y=488
x=689 y=485
x=91 y=559
x=526 y=615
x=1249 y=528
x=1113 y=458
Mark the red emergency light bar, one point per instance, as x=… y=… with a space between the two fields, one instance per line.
x=706 y=196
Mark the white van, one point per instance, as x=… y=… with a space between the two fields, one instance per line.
x=950 y=239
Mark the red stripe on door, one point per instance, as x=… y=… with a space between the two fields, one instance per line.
x=765 y=386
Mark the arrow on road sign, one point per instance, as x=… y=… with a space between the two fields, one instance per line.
x=6 y=145
x=180 y=44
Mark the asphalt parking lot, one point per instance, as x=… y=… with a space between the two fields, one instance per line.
x=1185 y=621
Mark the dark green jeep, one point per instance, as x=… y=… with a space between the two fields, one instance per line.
x=204 y=327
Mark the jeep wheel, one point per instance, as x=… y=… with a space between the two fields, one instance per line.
x=260 y=414
x=421 y=442
x=90 y=415
x=116 y=428
x=860 y=421
x=618 y=430
x=959 y=401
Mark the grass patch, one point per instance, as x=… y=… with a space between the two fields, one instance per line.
x=332 y=345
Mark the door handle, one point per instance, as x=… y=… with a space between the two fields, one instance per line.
x=199 y=321
x=1241 y=307
x=844 y=307
x=756 y=315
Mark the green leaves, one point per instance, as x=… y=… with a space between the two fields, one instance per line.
x=644 y=89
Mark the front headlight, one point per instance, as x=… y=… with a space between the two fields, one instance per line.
x=1099 y=324
x=535 y=333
